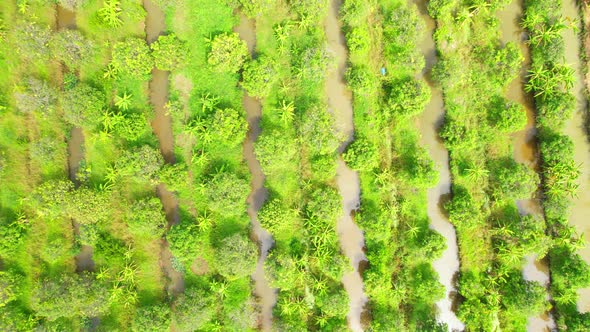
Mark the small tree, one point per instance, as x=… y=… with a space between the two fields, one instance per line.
x=169 y=52
x=70 y=47
x=258 y=77
x=407 y=97
x=193 y=309
x=133 y=57
x=32 y=40
x=153 y=318
x=227 y=194
x=146 y=218
x=236 y=257
x=83 y=106
x=228 y=53
x=229 y=127
x=506 y=116
x=35 y=96
x=361 y=154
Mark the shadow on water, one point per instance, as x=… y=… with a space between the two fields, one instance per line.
x=267 y=295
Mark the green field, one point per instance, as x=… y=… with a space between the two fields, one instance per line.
x=294 y=165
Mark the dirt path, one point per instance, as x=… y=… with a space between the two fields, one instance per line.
x=340 y=103
x=430 y=121
x=155 y=25
x=575 y=129
x=258 y=195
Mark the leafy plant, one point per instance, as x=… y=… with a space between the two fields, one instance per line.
x=169 y=52
x=110 y=13
x=228 y=53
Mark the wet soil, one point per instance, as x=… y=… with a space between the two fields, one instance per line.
x=447 y=266
x=525 y=148
x=575 y=129
x=340 y=103
x=162 y=125
x=267 y=295
x=75 y=152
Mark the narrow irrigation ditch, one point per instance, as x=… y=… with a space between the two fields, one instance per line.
x=258 y=195
x=340 y=103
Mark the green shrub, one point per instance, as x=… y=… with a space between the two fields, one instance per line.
x=88 y=206
x=259 y=76
x=361 y=155
x=228 y=53
x=275 y=151
x=184 y=241
x=253 y=8
x=228 y=127
x=227 y=193
x=236 y=257
x=142 y=164
x=35 y=96
x=32 y=41
x=146 y=218
x=506 y=116
x=132 y=57
x=71 y=48
x=69 y=296
x=323 y=167
x=406 y=97
x=10 y=286
x=362 y=80
x=193 y=309
x=358 y=40
x=12 y=235
x=325 y=204
x=83 y=106
x=152 y=318
x=318 y=132
x=169 y=52
x=511 y=180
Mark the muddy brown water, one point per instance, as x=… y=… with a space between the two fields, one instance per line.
x=155 y=25
x=447 y=266
x=340 y=103
x=525 y=148
x=66 y=19
x=580 y=211
x=267 y=295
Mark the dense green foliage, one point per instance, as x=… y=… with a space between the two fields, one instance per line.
x=551 y=81
x=102 y=228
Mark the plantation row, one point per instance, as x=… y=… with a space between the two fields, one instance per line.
x=152 y=233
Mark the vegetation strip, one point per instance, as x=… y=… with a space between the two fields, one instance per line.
x=551 y=81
